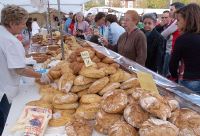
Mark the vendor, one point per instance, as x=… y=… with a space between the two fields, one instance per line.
x=12 y=58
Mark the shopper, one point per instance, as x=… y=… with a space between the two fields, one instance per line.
x=12 y=57
x=35 y=27
x=114 y=29
x=68 y=22
x=132 y=44
x=170 y=34
x=81 y=27
x=71 y=26
x=187 y=47
x=99 y=29
x=155 y=44
x=165 y=22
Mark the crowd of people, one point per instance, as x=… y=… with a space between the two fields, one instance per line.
x=170 y=47
x=167 y=45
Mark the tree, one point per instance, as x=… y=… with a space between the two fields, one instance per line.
x=94 y=3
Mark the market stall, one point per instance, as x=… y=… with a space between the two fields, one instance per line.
x=96 y=91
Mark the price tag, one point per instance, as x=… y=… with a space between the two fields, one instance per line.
x=147 y=82
x=86 y=58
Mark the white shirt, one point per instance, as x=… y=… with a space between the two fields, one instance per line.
x=12 y=56
x=116 y=32
x=35 y=28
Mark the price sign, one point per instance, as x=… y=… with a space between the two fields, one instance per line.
x=147 y=82
x=86 y=58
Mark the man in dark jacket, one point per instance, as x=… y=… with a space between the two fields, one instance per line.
x=155 y=44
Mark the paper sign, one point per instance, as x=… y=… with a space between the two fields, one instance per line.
x=147 y=82
x=86 y=58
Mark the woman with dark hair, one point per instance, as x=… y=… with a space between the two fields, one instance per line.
x=187 y=47
x=114 y=29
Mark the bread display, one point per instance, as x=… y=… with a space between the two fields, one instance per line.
x=65 y=98
x=60 y=119
x=106 y=97
x=114 y=101
x=105 y=120
x=157 y=127
x=109 y=87
x=78 y=88
x=130 y=83
x=87 y=111
x=90 y=98
x=98 y=85
x=92 y=72
x=81 y=80
x=156 y=105
x=121 y=128
x=66 y=82
x=80 y=127
x=135 y=115
x=69 y=106
x=187 y=121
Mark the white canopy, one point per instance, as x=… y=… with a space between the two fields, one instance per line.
x=65 y=5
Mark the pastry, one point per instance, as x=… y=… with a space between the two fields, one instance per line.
x=135 y=115
x=87 y=111
x=40 y=103
x=90 y=98
x=81 y=93
x=96 y=59
x=102 y=65
x=80 y=127
x=100 y=55
x=130 y=83
x=78 y=88
x=66 y=106
x=117 y=77
x=60 y=119
x=65 y=83
x=187 y=121
x=157 y=127
x=116 y=65
x=156 y=105
x=108 y=60
x=174 y=105
x=114 y=101
x=65 y=98
x=98 y=85
x=105 y=120
x=81 y=80
x=121 y=128
x=109 y=87
x=76 y=67
x=64 y=111
x=109 y=70
x=92 y=72
x=138 y=93
x=54 y=74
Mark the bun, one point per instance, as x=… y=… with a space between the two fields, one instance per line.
x=114 y=101
x=157 y=127
x=121 y=128
x=98 y=85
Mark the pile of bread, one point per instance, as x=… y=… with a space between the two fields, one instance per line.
x=108 y=99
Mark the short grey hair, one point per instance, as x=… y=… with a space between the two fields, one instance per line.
x=151 y=16
x=13 y=14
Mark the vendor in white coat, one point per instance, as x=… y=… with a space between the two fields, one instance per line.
x=12 y=56
x=35 y=27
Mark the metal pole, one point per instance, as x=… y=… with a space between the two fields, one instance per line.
x=50 y=28
x=171 y=1
x=60 y=29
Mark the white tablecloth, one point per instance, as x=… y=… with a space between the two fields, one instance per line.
x=28 y=93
